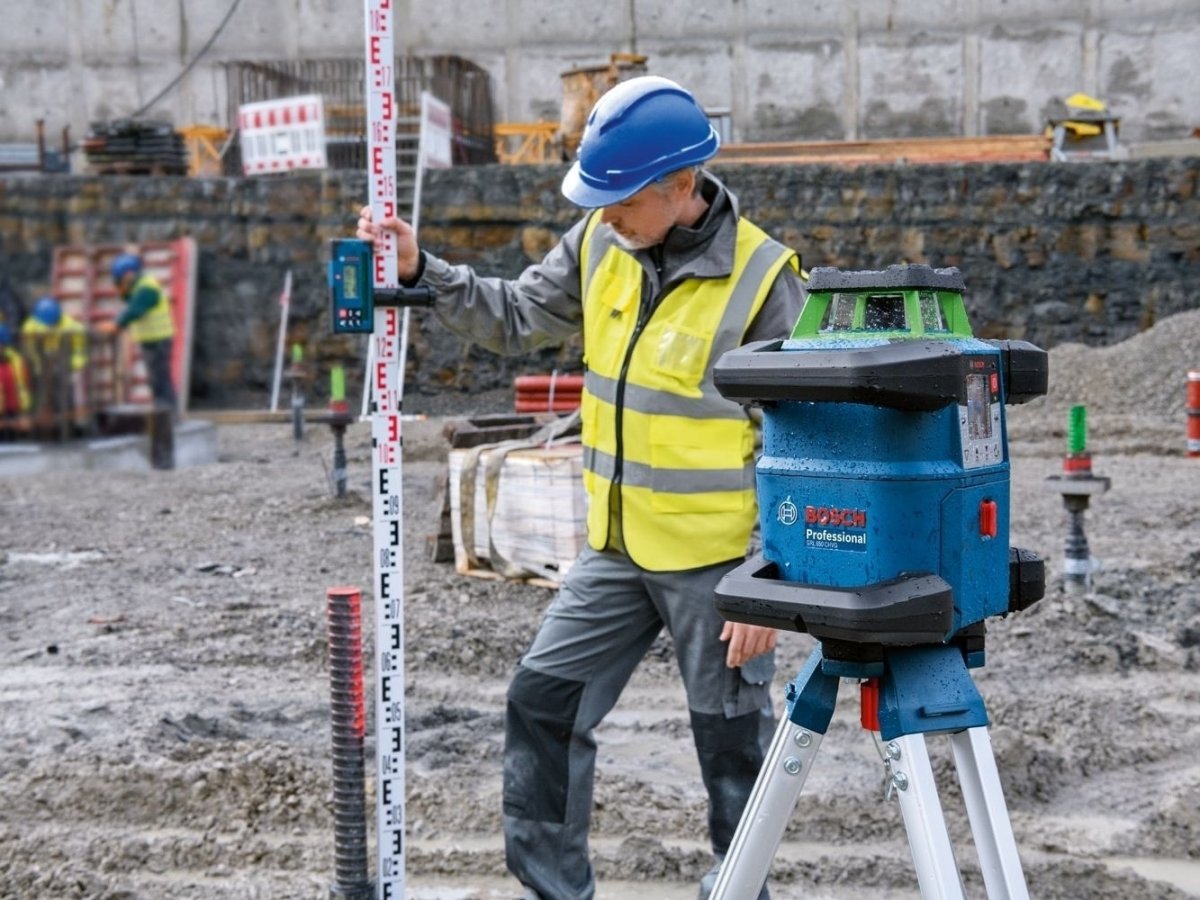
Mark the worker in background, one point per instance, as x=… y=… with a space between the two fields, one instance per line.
x=662 y=277
x=147 y=315
x=15 y=399
x=55 y=344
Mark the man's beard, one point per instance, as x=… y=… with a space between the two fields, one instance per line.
x=633 y=242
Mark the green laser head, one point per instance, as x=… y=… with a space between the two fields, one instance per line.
x=909 y=301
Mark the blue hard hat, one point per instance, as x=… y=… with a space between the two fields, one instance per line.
x=641 y=130
x=47 y=311
x=6 y=335
x=124 y=264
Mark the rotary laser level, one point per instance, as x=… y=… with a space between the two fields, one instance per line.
x=883 y=489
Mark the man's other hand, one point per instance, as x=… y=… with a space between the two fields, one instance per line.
x=746 y=642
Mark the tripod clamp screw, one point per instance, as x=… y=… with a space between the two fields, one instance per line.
x=892 y=780
x=802 y=739
x=792 y=766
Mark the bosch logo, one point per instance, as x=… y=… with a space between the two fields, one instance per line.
x=788 y=513
x=835 y=517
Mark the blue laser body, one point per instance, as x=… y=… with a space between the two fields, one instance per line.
x=853 y=494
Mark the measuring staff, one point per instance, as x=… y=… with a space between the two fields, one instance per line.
x=357 y=279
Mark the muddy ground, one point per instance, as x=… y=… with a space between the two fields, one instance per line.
x=165 y=711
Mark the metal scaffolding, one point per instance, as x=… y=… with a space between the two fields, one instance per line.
x=465 y=86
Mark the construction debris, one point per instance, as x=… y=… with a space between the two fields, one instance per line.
x=130 y=147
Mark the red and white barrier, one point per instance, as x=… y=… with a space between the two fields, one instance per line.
x=282 y=135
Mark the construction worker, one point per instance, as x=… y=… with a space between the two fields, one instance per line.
x=15 y=399
x=147 y=314
x=60 y=388
x=47 y=325
x=662 y=277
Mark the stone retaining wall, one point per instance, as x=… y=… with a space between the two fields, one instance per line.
x=1051 y=253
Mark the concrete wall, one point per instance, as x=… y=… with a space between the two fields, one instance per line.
x=821 y=69
x=1089 y=252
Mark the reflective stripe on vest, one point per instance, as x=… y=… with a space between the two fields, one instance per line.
x=156 y=324
x=653 y=423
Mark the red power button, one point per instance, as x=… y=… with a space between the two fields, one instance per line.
x=987 y=518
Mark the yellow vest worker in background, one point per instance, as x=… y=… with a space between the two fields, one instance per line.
x=45 y=329
x=55 y=344
x=147 y=315
x=661 y=277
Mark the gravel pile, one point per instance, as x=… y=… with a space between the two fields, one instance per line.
x=1146 y=374
x=1135 y=392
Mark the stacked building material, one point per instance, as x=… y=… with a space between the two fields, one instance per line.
x=131 y=147
x=463 y=434
x=547 y=393
x=517 y=510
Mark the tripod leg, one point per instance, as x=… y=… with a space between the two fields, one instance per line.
x=811 y=699
x=933 y=856
x=990 y=825
x=767 y=812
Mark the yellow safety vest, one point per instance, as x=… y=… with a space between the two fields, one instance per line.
x=654 y=426
x=156 y=324
x=46 y=340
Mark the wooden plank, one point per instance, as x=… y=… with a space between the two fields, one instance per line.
x=989 y=148
x=489 y=429
x=886 y=146
x=489 y=575
x=252 y=416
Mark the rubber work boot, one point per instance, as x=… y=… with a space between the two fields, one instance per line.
x=709 y=881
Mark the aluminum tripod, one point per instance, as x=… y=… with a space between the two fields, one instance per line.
x=923 y=690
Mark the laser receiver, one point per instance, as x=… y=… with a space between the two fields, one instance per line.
x=352 y=292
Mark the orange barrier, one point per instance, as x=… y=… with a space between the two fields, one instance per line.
x=544 y=382
x=547 y=393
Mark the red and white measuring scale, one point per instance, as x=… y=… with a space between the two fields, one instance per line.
x=387 y=485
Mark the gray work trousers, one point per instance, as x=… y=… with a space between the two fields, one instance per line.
x=157 y=357
x=599 y=626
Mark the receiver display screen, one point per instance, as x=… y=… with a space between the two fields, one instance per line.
x=350 y=284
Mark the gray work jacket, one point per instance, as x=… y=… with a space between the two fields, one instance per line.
x=544 y=305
